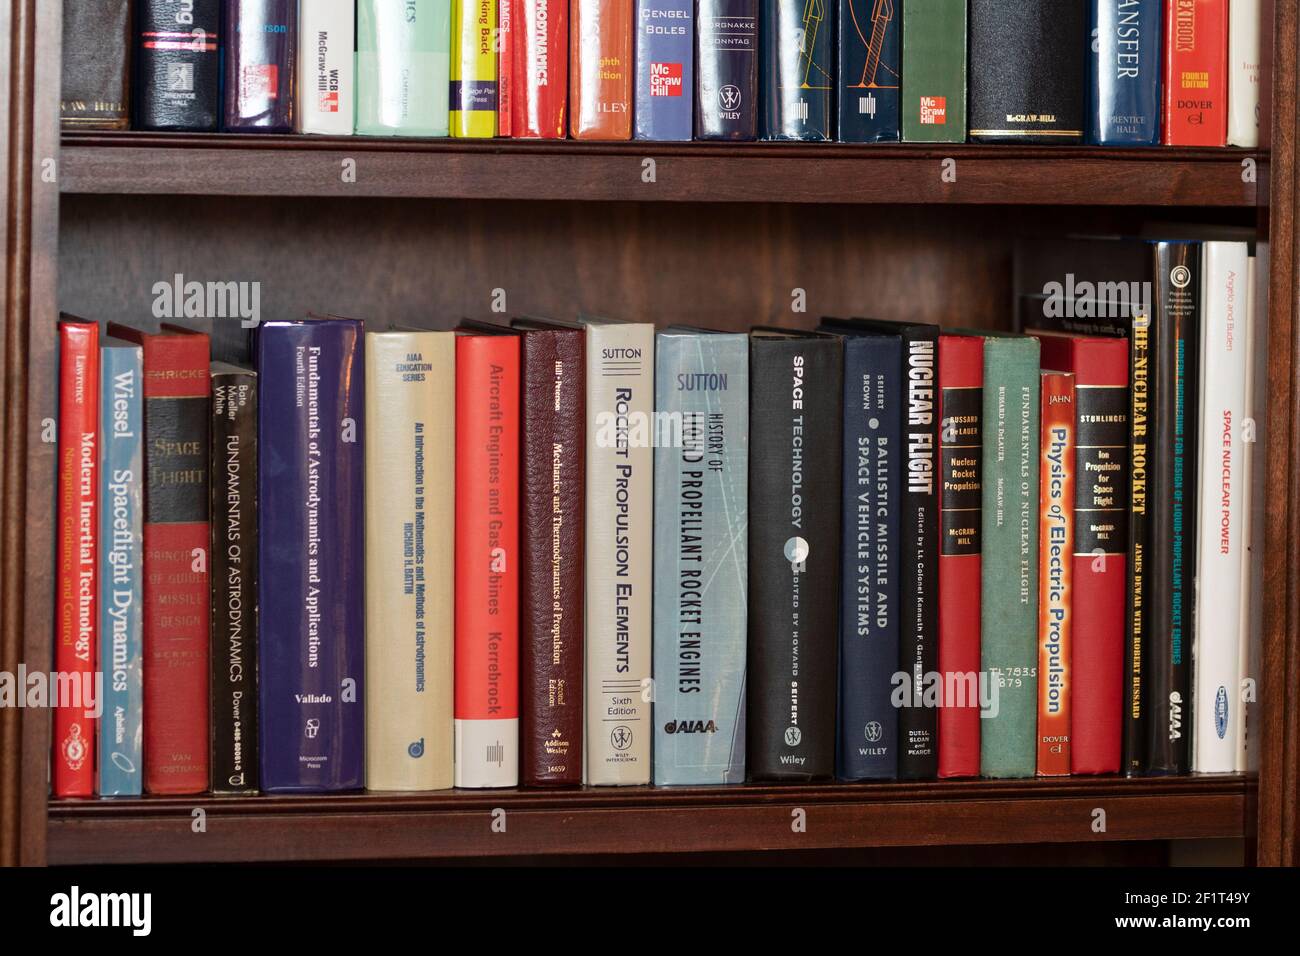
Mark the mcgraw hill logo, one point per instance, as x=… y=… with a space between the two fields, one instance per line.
x=179 y=299
x=77 y=909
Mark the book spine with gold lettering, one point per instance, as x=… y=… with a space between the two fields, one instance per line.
x=473 y=69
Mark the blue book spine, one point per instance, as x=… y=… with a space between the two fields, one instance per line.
x=701 y=548
x=870 y=70
x=311 y=548
x=869 y=595
x=121 y=547
x=798 y=72
x=1124 y=71
x=665 y=69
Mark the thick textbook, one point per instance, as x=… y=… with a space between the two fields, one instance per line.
x=665 y=69
x=410 y=540
x=726 y=66
x=700 y=556
x=798 y=74
x=261 y=69
x=1056 y=499
x=600 y=69
x=539 y=45
x=178 y=65
x=1196 y=73
x=95 y=89
x=327 y=78
x=403 y=59
x=310 y=482
x=234 y=579
x=934 y=71
x=869 y=68
x=1124 y=71
x=473 y=68
x=1244 y=71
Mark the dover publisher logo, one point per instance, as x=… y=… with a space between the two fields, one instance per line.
x=75 y=908
x=665 y=79
x=934 y=110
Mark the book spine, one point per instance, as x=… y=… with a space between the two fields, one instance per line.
x=76 y=579
x=1244 y=72
x=487 y=570
x=870 y=71
x=541 y=69
x=234 y=582
x=798 y=73
x=1125 y=72
x=552 y=541
x=934 y=71
x=261 y=50
x=1253 y=510
x=1196 y=68
x=620 y=519
x=726 y=63
x=95 y=90
x=178 y=65
x=410 y=540
x=1009 y=590
x=796 y=396
x=474 y=69
x=403 y=60
x=870 y=548
x=311 y=484
x=701 y=558
x=507 y=11
x=1143 y=408
x=665 y=69
x=1220 y=551
x=918 y=645
x=121 y=570
x=326 y=67
x=1056 y=502
x=600 y=72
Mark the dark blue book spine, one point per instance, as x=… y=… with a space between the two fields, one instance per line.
x=798 y=77
x=311 y=582
x=726 y=64
x=1124 y=71
x=869 y=70
x=665 y=69
x=261 y=69
x=869 y=622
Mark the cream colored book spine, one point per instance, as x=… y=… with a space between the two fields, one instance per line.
x=410 y=514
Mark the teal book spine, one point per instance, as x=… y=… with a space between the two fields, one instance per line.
x=403 y=67
x=1009 y=576
x=701 y=548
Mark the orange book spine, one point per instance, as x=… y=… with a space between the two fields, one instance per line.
x=600 y=74
x=1055 y=564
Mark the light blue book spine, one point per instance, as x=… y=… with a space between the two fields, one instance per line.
x=121 y=545
x=701 y=545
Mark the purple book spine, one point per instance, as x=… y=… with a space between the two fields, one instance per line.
x=665 y=69
x=261 y=41
x=311 y=586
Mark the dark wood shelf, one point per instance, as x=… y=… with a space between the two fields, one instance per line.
x=452 y=824
x=250 y=165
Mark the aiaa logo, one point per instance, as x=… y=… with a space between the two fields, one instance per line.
x=690 y=727
x=1180 y=276
x=416 y=749
x=796 y=552
x=1221 y=712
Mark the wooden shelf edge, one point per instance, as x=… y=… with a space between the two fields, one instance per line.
x=457 y=824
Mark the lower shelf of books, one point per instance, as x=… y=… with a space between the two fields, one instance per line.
x=645 y=820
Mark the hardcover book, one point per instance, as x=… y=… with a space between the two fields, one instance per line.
x=600 y=69
x=870 y=70
x=261 y=68
x=311 y=486
x=1254 y=504
x=121 y=567
x=1056 y=502
x=76 y=576
x=473 y=69
x=796 y=396
x=934 y=71
x=1244 y=72
x=701 y=556
x=178 y=65
x=96 y=64
x=1196 y=68
x=726 y=62
x=403 y=59
x=487 y=556
x=798 y=75
x=177 y=544
x=1125 y=66
x=540 y=50
x=327 y=67
x=234 y=579
x=1145 y=341
x=410 y=542
x=1028 y=69
x=665 y=69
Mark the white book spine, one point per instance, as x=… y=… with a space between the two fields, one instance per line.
x=1250 y=444
x=1221 y=524
x=1243 y=72
x=326 y=67
x=619 y=561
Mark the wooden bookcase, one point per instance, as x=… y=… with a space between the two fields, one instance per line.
x=426 y=232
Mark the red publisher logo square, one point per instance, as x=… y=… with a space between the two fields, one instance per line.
x=329 y=103
x=665 y=79
x=934 y=110
x=261 y=81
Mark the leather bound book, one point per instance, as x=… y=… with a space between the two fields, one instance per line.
x=96 y=64
x=1028 y=70
x=726 y=69
x=797 y=79
x=1196 y=73
x=261 y=58
x=552 y=519
x=601 y=67
x=177 y=65
x=177 y=542
x=540 y=48
x=870 y=70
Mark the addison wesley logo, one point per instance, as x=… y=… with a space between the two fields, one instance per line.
x=102 y=910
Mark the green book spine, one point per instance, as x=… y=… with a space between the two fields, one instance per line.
x=934 y=71
x=1009 y=576
x=403 y=64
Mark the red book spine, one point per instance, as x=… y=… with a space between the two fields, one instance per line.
x=540 y=46
x=1056 y=502
x=961 y=445
x=1196 y=73
x=506 y=10
x=76 y=580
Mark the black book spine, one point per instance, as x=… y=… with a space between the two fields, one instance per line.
x=96 y=64
x=726 y=69
x=794 y=555
x=797 y=81
x=234 y=582
x=1144 y=345
x=178 y=81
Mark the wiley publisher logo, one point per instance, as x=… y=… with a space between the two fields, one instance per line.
x=77 y=909
x=179 y=299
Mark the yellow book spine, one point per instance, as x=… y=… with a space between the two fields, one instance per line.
x=474 y=68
